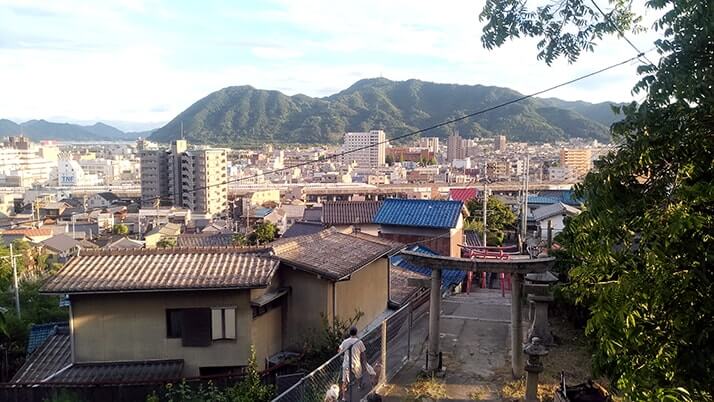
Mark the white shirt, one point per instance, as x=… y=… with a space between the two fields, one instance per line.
x=357 y=350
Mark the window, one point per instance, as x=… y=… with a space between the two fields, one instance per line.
x=174 y=322
x=223 y=323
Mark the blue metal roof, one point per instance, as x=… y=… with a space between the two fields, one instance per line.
x=449 y=277
x=419 y=213
x=40 y=332
x=537 y=199
x=555 y=196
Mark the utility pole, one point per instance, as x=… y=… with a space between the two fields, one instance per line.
x=524 y=211
x=14 y=275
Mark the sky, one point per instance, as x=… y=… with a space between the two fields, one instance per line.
x=137 y=64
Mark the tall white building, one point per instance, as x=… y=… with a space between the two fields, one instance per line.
x=23 y=164
x=70 y=173
x=370 y=148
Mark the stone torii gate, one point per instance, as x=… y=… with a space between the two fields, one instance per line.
x=517 y=267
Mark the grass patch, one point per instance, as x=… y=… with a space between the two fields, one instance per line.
x=427 y=388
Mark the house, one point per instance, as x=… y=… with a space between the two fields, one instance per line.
x=332 y=274
x=34 y=235
x=166 y=231
x=351 y=215
x=53 y=209
x=435 y=224
x=62 y=246
x=189 y=311
x=102 y=200
x=554 y=214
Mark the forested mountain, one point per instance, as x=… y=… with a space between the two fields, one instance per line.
x=38 y=130
x=245 y=115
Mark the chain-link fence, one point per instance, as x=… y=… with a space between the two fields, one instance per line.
x=400 y=338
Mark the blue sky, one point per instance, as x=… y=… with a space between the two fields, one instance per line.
x=139 y=63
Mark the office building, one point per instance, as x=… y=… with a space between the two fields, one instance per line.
x=430 y=143
x=500 y=143
x=368 y=149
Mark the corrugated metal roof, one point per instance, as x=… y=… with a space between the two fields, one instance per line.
x=349 y=212
x=463 y=194
x=162 y=269
x=419 y=213
x=330 y=253
x=119 y=372
x=449 y=277
x=40 y=332
x=51 y=356
x=205 y=240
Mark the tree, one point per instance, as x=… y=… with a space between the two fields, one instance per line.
x=498 y=218
x=642 y=248
x=166 y=242
x=389 y=160
x=121 y=229
x=264 y=233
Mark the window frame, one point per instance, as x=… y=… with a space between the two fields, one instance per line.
x=179 y=323
x=223 y=334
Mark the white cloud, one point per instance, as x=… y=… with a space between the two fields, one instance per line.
x=109 y=67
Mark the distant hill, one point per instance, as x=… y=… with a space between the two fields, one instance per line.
x=38 y=130
x=245 y=115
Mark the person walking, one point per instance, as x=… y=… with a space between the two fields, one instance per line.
x=353 y=350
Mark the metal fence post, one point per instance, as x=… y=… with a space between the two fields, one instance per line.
x=383 y=369
x=409 y=332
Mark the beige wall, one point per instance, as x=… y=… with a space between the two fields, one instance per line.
x=308 y=298
x=133 y=327
x=267 y=336
x=367 y=291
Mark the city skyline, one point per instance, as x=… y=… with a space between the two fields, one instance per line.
x=145 y=62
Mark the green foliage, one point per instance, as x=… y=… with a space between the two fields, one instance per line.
x=389 y=160
x=323 y=345
x=120 y=229
x=263 y=233
x=166 y=242
x=248 y=116
x=498 y=218
x=239 y=239
x=249 y=389
x=63 y=396
x=641 y=251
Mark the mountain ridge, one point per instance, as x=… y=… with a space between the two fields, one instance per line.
x=243 y=114
x=40 y=129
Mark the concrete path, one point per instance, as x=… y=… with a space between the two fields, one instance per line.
x=475 y=343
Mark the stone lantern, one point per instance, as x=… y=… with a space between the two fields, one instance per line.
x=534 y=350
x=540 y=295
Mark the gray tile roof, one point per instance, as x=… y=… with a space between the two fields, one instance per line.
x=349 y=212
x=51 y=356
x=61 y=243
x=120 y=372
x=126 y=270
x=302 y=229
x=205 y=240
x=332 y=254
x=549 y=211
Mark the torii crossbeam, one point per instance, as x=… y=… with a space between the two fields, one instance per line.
x=517 y=266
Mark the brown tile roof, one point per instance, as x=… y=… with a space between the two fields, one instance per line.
x=349 y=212
x=50 y=357
x=330 y=253
x=29 y=232
x=120 y=372
x=399 y=289
x=205 y=240
x=125 y=270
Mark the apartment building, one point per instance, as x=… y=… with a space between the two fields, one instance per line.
x=195 y=178
x=367 y=150
x=455 y=148
x=578 y=159
x=23 y=164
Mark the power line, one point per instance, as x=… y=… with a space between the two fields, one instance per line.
x=622 y=33
x=412 y=133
